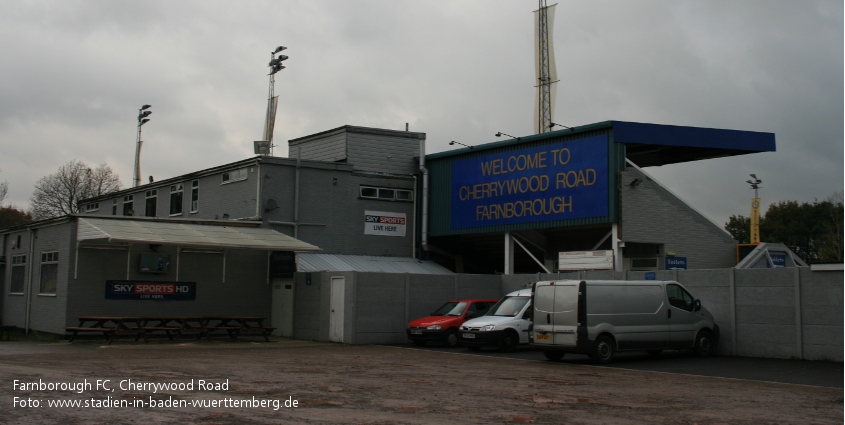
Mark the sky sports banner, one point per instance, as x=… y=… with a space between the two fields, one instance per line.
x=143 y=290
x=384 y=223
x=560 y=181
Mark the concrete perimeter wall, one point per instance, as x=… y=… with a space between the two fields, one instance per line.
x=774 y=313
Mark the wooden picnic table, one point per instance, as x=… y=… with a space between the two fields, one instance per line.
x=110 y=326
x=237 y=325
x=173 y=326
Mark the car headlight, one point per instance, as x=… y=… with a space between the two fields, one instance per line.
x=489 y=327
x=434 y=327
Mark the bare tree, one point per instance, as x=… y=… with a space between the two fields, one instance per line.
x=4 y=189
x=59 y=193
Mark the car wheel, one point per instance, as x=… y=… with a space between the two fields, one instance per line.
x=603 y=350
x=554 y=356
x=508 y=341
x=704 y=343
x=451 y=338
x=419 y=343
x=473 y=348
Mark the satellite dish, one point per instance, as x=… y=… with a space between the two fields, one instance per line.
x=271 y=205
x=262 y=147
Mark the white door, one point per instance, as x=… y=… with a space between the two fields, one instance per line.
x=282 y=317
x=336 y=314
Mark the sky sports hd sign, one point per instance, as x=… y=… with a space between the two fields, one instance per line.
x=147 y=290
x=560 y=181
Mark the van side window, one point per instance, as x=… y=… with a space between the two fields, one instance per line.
x=679 y=298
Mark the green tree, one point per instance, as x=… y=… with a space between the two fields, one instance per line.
x=740 y=228
x=813 y=231
x=830 y=242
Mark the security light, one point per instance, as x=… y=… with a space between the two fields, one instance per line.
x=454 y=142
x=500 y=134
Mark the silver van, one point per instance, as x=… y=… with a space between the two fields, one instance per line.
x=599 y=318
x=505 y=325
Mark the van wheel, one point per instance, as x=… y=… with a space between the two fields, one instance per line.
x=508 y=341
x=419 y=343
x=603 y=350
x=704 y=343
x=554 y=356
x=451 y=338
x=473 y=348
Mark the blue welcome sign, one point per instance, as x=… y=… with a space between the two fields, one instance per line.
x=560 y=181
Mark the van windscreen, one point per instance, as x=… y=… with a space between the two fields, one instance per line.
x=508 y=306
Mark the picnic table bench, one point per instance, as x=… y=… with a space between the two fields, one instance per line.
x=235 y=326
x=109 y=326
x=173 y=326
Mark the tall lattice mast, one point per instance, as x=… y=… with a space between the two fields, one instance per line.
x=544 y=83
x=273 y=100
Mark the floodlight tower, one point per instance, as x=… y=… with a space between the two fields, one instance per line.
x=755 y=209
x=143 y=113
x=545 y=72
x=273 y=100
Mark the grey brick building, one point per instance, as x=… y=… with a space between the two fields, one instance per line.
x=506 y=207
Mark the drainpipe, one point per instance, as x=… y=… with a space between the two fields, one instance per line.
x=31 y=263
x=296 y=195
x=414 y=230
x=424 y=171
x=258 y=182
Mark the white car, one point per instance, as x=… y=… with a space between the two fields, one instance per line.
x=505 y=325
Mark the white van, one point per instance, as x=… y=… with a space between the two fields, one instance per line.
x=505 y=325
x=599 y=318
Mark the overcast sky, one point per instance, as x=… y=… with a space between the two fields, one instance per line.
x=74 y=73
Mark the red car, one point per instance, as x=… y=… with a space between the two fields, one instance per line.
x=442 y=325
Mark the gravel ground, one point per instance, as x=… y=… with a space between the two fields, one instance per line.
x=333 y=383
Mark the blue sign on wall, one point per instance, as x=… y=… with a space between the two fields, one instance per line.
x=676 y=263
x=565 y=180
x=778 y=260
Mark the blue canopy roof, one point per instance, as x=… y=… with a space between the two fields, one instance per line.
x=650 y=145
x=656 y=144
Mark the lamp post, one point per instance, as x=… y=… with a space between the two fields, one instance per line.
x=500 y=134
x=552 y=124
x=143 y=113
x=459 y=143
x=273 y=100
x=755 y=209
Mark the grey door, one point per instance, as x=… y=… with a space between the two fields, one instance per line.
x=556 y=312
